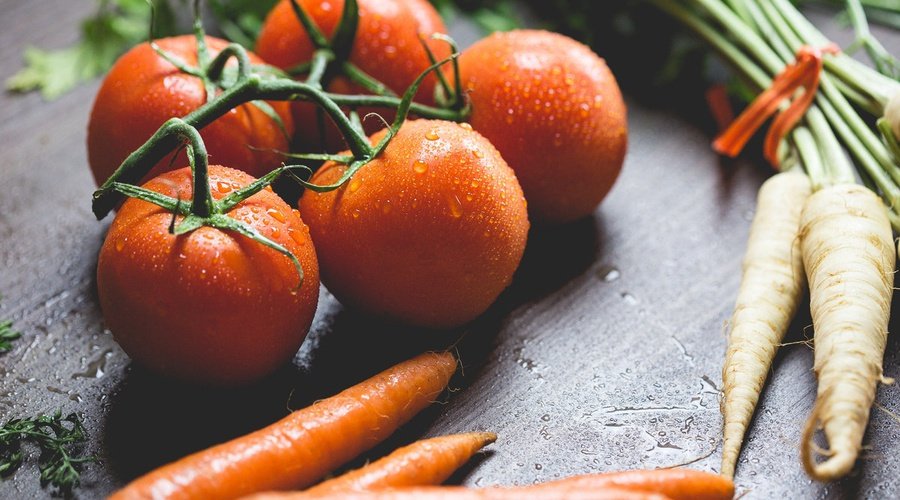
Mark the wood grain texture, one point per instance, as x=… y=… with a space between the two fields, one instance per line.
x=605 y=354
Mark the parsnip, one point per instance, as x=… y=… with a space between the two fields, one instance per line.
x=849 y=257
x=771 y=286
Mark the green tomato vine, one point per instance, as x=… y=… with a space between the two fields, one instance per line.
x=227 y=89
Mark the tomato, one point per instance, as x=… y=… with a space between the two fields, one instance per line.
x=554 y=110
x=428 y=233
x=142 y=91
x=386 y=47
x=209 y=306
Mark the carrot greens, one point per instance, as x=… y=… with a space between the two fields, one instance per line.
x=58 y=438
x=7 y=336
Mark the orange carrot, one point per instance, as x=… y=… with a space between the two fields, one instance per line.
x=461 y=493
x=307 y=444
x=677 y=484
x=423 y=463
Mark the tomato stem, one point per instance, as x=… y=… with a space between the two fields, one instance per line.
x=318 y=39
x=252 y=87
x=203 y=56
x=318 y=66
x=342 y=41
x=216 y=66
x=451 y=98
x=366 y=81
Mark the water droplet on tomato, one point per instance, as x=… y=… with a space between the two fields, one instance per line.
x=120 y=244
x=469 y=197
x=297 y=236
x=276 y=214
x=354 y=185
x=455 y=206
x=223 y=187
x=465 y=126
x=420 y=167
x=477 y=153
x=355 y=213
x=474 y=184
x=432 y=135
x=386 y=208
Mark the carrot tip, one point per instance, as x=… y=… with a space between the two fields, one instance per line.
x=487 y=437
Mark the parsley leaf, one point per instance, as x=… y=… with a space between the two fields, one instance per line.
x=7 y=335
x=117 y=25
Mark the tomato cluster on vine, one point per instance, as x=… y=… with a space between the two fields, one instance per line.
x=207 y=275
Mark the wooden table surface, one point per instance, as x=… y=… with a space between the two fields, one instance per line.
x=604 y=354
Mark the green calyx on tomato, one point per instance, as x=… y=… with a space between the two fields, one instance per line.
x=251 y=86
x=214 y=74
x=203 y=210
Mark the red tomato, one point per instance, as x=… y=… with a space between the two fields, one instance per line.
x=142 y=91
x=386 y=47
x=428 y=233
x=554 y=110
x=209 y=306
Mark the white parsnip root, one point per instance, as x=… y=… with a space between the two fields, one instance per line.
x=849 y=257
x=771 y=287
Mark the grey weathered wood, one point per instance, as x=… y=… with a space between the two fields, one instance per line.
x=604 y=354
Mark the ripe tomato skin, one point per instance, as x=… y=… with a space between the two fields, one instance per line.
x=555 y=112
x=386 y=47
x=428 y=233
x=142 y=91
x=209 y=306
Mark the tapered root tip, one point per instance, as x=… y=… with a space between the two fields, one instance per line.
x=835 y=467
x=734 y=429
x=839 y=462
x=486 y=438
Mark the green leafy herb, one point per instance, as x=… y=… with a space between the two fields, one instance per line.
x=57 y=438
x=116 y=26
x=7 y=335
x=498 y=17
x=241 y=20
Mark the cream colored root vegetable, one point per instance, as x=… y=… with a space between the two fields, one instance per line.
x=771 y=287
x=848 y=253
